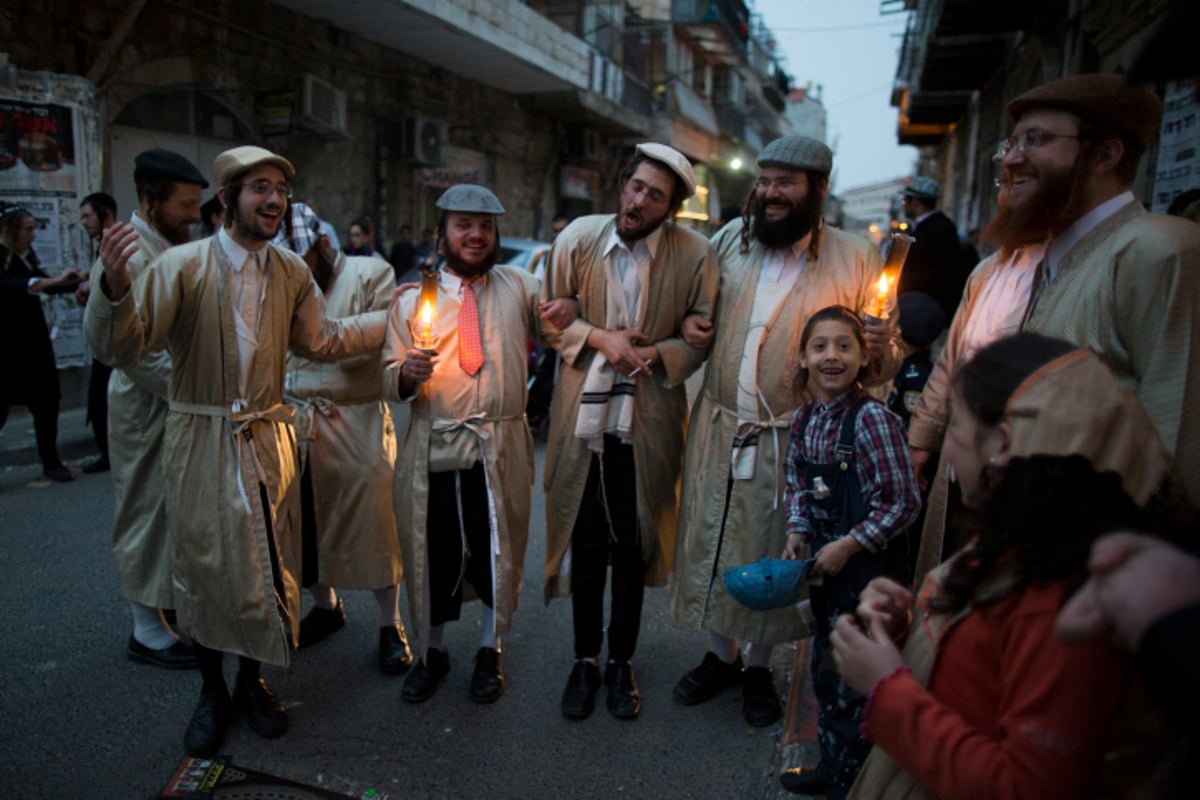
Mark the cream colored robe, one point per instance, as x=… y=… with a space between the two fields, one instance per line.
x=137 y=416
x=227 y=594
x=845 y=271
x=348 y=442
x=489 y=410
x=683 y=280
x=1130 y=291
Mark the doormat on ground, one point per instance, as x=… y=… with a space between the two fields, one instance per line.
x=220 y=779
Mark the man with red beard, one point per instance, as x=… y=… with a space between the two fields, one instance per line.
x=169 y=191
x=618 y=418
x=464 y=478
x=780 y=263
x=227 y=309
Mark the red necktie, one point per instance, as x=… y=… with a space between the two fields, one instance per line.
x=470 y=346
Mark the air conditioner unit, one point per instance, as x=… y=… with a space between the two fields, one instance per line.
x=322 y=107
x=425 y=141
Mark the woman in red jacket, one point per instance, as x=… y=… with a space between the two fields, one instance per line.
x=985 y=702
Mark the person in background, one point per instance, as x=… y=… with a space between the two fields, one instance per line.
x=936 y=264
x=211 y=215
x=97 y=212
x=26 y=352
x=362 y=237
x=558 y=224
x=404 y=253
x=327 y=229
x=426 y=250
x=921 y=322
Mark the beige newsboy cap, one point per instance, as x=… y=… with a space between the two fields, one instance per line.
x=673 y=160
x=239 y=159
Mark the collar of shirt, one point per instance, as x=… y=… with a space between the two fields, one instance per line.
x=1060 y=246
x=924 y=217
x=237 y=254
x=454 y=283
x=645 y=247
x=835 y=405
x=1026 y=256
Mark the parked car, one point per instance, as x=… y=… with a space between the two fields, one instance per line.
x=529 y=254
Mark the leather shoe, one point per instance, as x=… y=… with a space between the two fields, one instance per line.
x=321 y=622
x=59 y=474
x=97 y=464
x=760 y=699
x=805 y=780
x=487 y=684
x=624 y=700
x=579 y=698
x=708 y=680
x=265 y=714
x=209 y=724
x=394 y=655
x=426 y=676
x=179 y=655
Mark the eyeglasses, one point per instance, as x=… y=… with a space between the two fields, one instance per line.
x=265 y=187
x=1031 y=140
x=782 y=184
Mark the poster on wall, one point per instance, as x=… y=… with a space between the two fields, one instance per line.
x=37 y=148
x=1178 y=167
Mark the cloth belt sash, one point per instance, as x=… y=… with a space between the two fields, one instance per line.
x=745 y=441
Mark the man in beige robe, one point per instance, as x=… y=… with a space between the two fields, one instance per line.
x=227 y=310
x=780 y=264
x=169 y=193
x=464 y=478
x=619 y=413
x=347 y=453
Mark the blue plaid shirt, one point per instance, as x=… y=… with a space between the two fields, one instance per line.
x=881 y=459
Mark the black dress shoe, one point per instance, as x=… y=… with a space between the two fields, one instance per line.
x=579 y=698
x=209 y=724
x=179 y=655
x=624 y=699
x=708 y=680
x=487 y=684
x=265 y=714
x=760 y=699
x=805 y=780
x=59 y=474
x=321 y=622
x=394 y=655
x=426 y=676
x=97 y=464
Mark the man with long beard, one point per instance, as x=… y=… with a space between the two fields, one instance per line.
x=780 y=263
x=620 y=412
x=227 y=309
x=464 y=478
x=169 y=191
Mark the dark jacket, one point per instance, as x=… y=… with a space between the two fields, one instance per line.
x=936 y=263
x=27 y=355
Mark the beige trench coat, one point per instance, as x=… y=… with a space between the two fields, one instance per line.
x=137 y=417
x=228 y=592
x=348 y=442
x=683 y=280
x=491 y=408
x=844 y=272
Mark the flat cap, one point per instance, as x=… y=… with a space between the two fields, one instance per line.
x=239 y=159
x=470 y=198
x=673 y=160
x=1103 y=99
x=157 y=164
x=797 y=152
x=768 y=584
x=921 y=186
x=921 y=318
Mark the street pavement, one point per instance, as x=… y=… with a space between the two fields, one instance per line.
x=81 y=720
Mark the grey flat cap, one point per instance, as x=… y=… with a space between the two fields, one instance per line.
x=797 y=152
x=470 y=198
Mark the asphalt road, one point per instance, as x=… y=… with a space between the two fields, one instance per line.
x=79 y=720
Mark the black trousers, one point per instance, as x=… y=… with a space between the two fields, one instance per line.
x=448 y=562
x=606 y=527
x=45 y=429
x=97 y=410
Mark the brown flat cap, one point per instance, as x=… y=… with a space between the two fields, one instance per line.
x=1106 y=100
x=239 y=159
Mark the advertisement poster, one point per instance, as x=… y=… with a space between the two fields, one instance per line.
x=37 y=148
x=1178 y=167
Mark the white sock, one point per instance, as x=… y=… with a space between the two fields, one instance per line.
x=323 y=595
x=489 y=638
x=150 y=629
x=758 y=655
x=389 y=605
x=436 y=638
x=723 y=647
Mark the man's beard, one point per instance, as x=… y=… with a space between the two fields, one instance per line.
x=1046 y=212
x=174 y=231
x=646 y=226
x=460 y=266
x=788 y=229
x=250 y=227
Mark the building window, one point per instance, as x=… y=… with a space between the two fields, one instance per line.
x=189 y=112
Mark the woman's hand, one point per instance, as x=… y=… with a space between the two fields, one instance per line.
x=888 y=602
x=863 y=660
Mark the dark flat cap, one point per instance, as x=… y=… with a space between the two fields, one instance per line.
x=470 y=198
x=1170 y=53
x=921 y=318
x=797 y=152
x=768 y=584
x=157 y=164
x=1105 y=100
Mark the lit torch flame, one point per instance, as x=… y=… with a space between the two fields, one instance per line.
x=425 y=329
x=877 y=308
